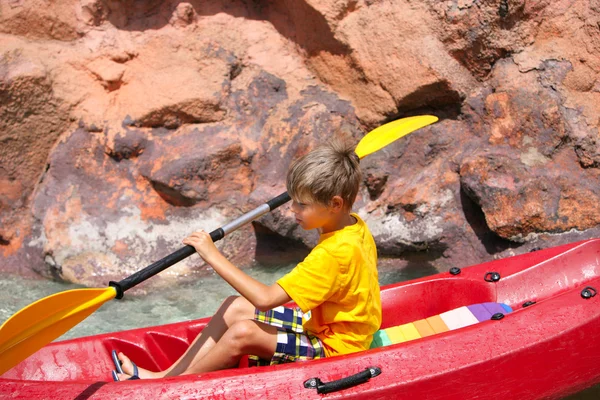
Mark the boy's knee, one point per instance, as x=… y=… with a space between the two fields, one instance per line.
x=228 y=302
x=236 y=309
x=241 y=335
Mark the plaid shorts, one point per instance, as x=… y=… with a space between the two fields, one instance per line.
x=293 y=344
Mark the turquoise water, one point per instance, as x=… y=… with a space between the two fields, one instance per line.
x=178 y=303
x=160 y=306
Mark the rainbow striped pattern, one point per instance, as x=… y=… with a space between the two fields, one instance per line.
x=447 y=321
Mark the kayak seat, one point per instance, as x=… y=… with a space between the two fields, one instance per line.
x=446 y=321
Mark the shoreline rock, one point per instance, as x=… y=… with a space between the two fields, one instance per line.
x=127 y=126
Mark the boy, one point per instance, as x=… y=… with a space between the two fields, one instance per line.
x=336 y=286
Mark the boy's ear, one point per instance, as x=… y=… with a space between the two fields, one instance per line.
x=337 y=203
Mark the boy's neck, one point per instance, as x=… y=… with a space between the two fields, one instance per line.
x=336 y=224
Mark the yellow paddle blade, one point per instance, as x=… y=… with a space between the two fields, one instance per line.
x=41 y=322
x=380 y=137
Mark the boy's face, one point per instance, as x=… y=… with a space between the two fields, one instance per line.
x=318 y=216
x=310 y=216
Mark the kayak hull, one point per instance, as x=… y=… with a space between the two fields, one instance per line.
x=544 y=351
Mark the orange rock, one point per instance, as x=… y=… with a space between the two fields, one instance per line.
x=126 y=125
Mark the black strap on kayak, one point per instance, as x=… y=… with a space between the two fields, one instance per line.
x=343 y=383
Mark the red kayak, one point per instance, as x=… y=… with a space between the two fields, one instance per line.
x=525 y=327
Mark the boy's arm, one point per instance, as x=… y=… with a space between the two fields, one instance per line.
x=263 y=297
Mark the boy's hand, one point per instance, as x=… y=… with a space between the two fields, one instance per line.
x=203 y=244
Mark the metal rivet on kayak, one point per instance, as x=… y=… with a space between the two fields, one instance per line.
x=497 y=316
x=528 y=303
x=310 y=383
x=588 y=292
x=454 y=271
x=492 y=277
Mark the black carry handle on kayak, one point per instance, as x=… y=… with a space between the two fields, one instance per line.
x=188 y=250
x=343 y=383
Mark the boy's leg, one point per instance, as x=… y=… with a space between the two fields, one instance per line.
x=244 y=337
x=293 y=343
x=232 y=310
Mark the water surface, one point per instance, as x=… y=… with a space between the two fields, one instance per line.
x=198 y=299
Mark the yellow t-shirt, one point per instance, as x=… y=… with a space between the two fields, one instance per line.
x=337 y=288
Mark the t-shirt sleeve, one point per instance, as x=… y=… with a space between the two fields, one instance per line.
x=312 y=281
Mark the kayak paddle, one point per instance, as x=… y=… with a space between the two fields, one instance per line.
x=41 y=322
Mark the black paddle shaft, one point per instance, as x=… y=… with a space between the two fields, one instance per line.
x=188 y=250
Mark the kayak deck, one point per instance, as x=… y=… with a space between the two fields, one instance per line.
x=546 y=350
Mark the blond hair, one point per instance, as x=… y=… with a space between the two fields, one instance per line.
x=327 y=171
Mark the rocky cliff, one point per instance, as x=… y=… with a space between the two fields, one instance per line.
x=125 y=125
